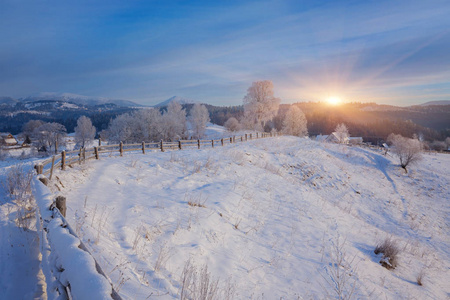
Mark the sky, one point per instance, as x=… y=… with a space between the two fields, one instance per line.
x=389 y=52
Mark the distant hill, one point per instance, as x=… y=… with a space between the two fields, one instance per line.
x=441 y=102
x=79 y=99
x=180 y=100
x=8 y=101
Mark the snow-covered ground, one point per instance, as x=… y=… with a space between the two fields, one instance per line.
x=19 y=252
x=266 y=218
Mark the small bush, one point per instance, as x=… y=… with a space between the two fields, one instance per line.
x=420 y=277
x=197 y=283
x=390 y=251
x=18 y=187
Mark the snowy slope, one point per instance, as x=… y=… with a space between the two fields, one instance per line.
x=268 y=213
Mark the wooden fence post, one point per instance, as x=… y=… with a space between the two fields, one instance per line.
x=242 y=138
x=96 y=152
x=51 y=170
x=256 y=135
x=231 y=140
x=39 y=169
x=212 y=143
x=221 y=141
x=162 y=146
x=198 y=141
x=245 y=137
x=143 y=147
x=61 y=205
x=179 y=144
x=121 y=148
x=84 y=154
x=63 y=160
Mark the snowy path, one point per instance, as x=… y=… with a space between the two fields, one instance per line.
x=265 y=217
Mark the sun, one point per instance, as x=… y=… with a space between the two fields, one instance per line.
x=334 y=100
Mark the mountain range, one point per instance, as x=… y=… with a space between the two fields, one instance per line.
x=87 y=100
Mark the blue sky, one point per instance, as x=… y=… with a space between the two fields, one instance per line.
x=392 y=52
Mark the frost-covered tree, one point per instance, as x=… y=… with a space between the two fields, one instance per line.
x=50 y=135
x=138 y=126
x=260 y=104
x=341 y=133
x=198 y=118
x=408 y=151
x=295 y=122
x=174 y=122
x=438 y=145
x=232 y=124
x=84 y=131
x=119 y=129
x=145 y=125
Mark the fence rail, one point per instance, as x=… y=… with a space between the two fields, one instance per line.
x=57 y=237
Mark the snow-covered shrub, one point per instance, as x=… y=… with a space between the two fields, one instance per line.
x=232 y=124
x=390 y=251
x=409 y=151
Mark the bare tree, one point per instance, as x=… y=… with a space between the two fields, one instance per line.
x=341 y=133
x=50 y=135
x=84 y=132
x=409 y=151
x=29 y=127
x=232 y=124
x=260 y=104
x=295 y=122
x=198 y=118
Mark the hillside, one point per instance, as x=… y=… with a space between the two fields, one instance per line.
x=264 y=216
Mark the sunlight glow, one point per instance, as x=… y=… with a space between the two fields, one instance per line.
x=334 y=101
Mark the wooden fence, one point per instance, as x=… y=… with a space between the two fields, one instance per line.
x=69 y=158
x=52 y=225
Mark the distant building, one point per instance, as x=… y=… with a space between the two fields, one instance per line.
x=7 y=139
x=333 y=138
x=357 y=140
x=321 y=138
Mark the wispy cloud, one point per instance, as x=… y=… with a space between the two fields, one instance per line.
x=212 y=51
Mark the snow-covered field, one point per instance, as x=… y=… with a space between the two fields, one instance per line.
x=267 y=218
